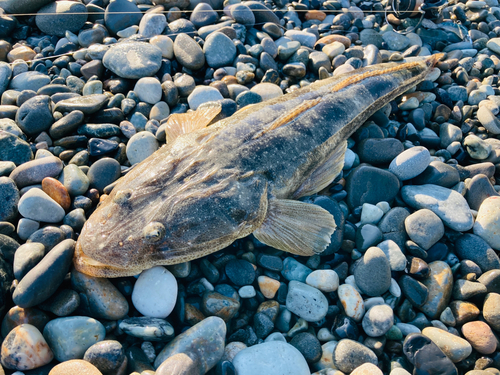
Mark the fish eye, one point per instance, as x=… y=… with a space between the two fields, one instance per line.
x=122 y=196
x=153 y=232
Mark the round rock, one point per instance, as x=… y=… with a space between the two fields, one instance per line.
x=188 y=53
x=61 y=16
x=378 y=320
x=37 y=205
x=107 y=355
x=410 y=163
x=140 y=146
x=273 y=357
x=219 y=50
x=373 y=273
x=349 y=354
x=35 y=115
x=203 y=94
x=133 y=60
x=155 y=292
x=487 y=225
x=306 y=302
x=424 y=227
x=148 y=89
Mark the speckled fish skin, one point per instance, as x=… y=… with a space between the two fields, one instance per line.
x=208 y=188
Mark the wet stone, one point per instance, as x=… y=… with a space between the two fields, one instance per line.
x=70 y=337
x=349 y=354
x=57 y=191
x=88 y=104
x=450 y=206
x=24 y=348
x=276 y=357
x=316 y=306
x=373 y=272
x=100 y=298
x=426 y=356
x=203 y=342
x=148 y=329
x=440 y=285
x=44 y=279
x=416 y=292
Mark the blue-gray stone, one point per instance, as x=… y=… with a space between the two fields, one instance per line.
x=9 y=198
x=294 y=270
x=133 y=60
x=219 y=50
x=35 y=115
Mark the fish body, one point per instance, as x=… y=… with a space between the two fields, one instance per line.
x=241 y=175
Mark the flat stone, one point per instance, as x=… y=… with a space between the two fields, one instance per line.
x=147 y=328
x=133 y=60
x=75 y=366
x=102 y=299
x=350 y=354
x=70 y=337
x=426 y=356
x=31 y=80
x=24 y=348
x=306 y=302
x=352 y=302
x=455 y=347
x=88 y=104
x=44 y=279
x=449 y=205
x=188 y=53
x=440 y=286
x=488 y=221
x=57 y=17
x=14 y=149
x=474 y=248
x=155 y=292
x=9 y=199
x=37 y=205
x=273 y=357
x=204 y=342
x=373 y=273
x=480 y=336
x=410 y=163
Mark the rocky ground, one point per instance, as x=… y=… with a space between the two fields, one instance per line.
x=411 y=280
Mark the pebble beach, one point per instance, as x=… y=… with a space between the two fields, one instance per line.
x=410 y=282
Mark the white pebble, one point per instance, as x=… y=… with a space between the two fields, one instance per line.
x=247 y=291
x=324 y=280
x=155 y=292
x=371 y=214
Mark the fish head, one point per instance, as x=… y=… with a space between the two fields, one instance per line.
x=137 y=228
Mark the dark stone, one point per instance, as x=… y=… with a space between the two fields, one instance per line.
x=8 y=246
x=413 y=290
x=360 y=182
x=474 y=248
x=9 y=198
x=491 y=279
x=308 y=345
x=378 y=151
x=262 y=324
x=478 y=189
x=426 y=356
x=98 y=146
x=438 y=173
x=14 y=149
x=35 y=115
x=345 y=327
x=106 y=355
x=240 y=272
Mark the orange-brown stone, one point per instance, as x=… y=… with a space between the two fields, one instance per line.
x=268 y=286
x=25 y=348
x=192 y=315
x=18 y=315
x=21 y=53
x=480 y=336
x=315 y=15
x=57 y=191
x=335 y=38
x=229 y=80
x=75 y=366
x=393 y=19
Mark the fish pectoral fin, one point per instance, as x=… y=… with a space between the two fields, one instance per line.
x=324 y=174
x=297 y=227
x=184 y=123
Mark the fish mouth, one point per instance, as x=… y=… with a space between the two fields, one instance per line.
x=91 y=267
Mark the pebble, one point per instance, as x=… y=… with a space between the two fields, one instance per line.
x=103 y=172
x=373 y=273
x=202 y=95
x=9 y=199
x=440 y=286
x=24 y=348
x=455 y=347
x=147 y=329
x=487 y=221
x=410 y=163
x=351 y=301
x=450 y=206
x=324 y=280
x=37 y=205
x=26 y=257
x=107 y=355
x=133 y=60
x=474 y=248
x=155 y=292
x=306 y=301
x=424 y=227
x=274 y=357
x=203 y=343
x=57 y=18
x=396 y=257
x=44 y=278
x=70 y=337
x=103 y=300
x=349 y=354
x=75 y=366
x=33 y=172
x=219 y=50
x=188 y=53
x=426 y=356
x=480 y=336
x=140 y=146
x=148 y=89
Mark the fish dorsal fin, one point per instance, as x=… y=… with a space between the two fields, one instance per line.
x=297 y=227
x=324 y=174
x=289 y=116
x=184 y=123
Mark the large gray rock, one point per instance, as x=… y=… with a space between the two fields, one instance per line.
x=133 y=60
x=57 y=17
x=22 y=6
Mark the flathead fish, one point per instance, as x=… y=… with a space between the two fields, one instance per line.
x=211 y=185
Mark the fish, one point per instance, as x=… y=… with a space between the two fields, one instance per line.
x=215 y=182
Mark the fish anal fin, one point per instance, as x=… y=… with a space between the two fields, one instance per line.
x=296 y=227
x=184 y=123
x=324 y=174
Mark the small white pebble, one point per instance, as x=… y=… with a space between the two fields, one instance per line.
x=247 y=291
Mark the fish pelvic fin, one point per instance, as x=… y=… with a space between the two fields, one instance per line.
x=184 y=123
x=296 y=227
